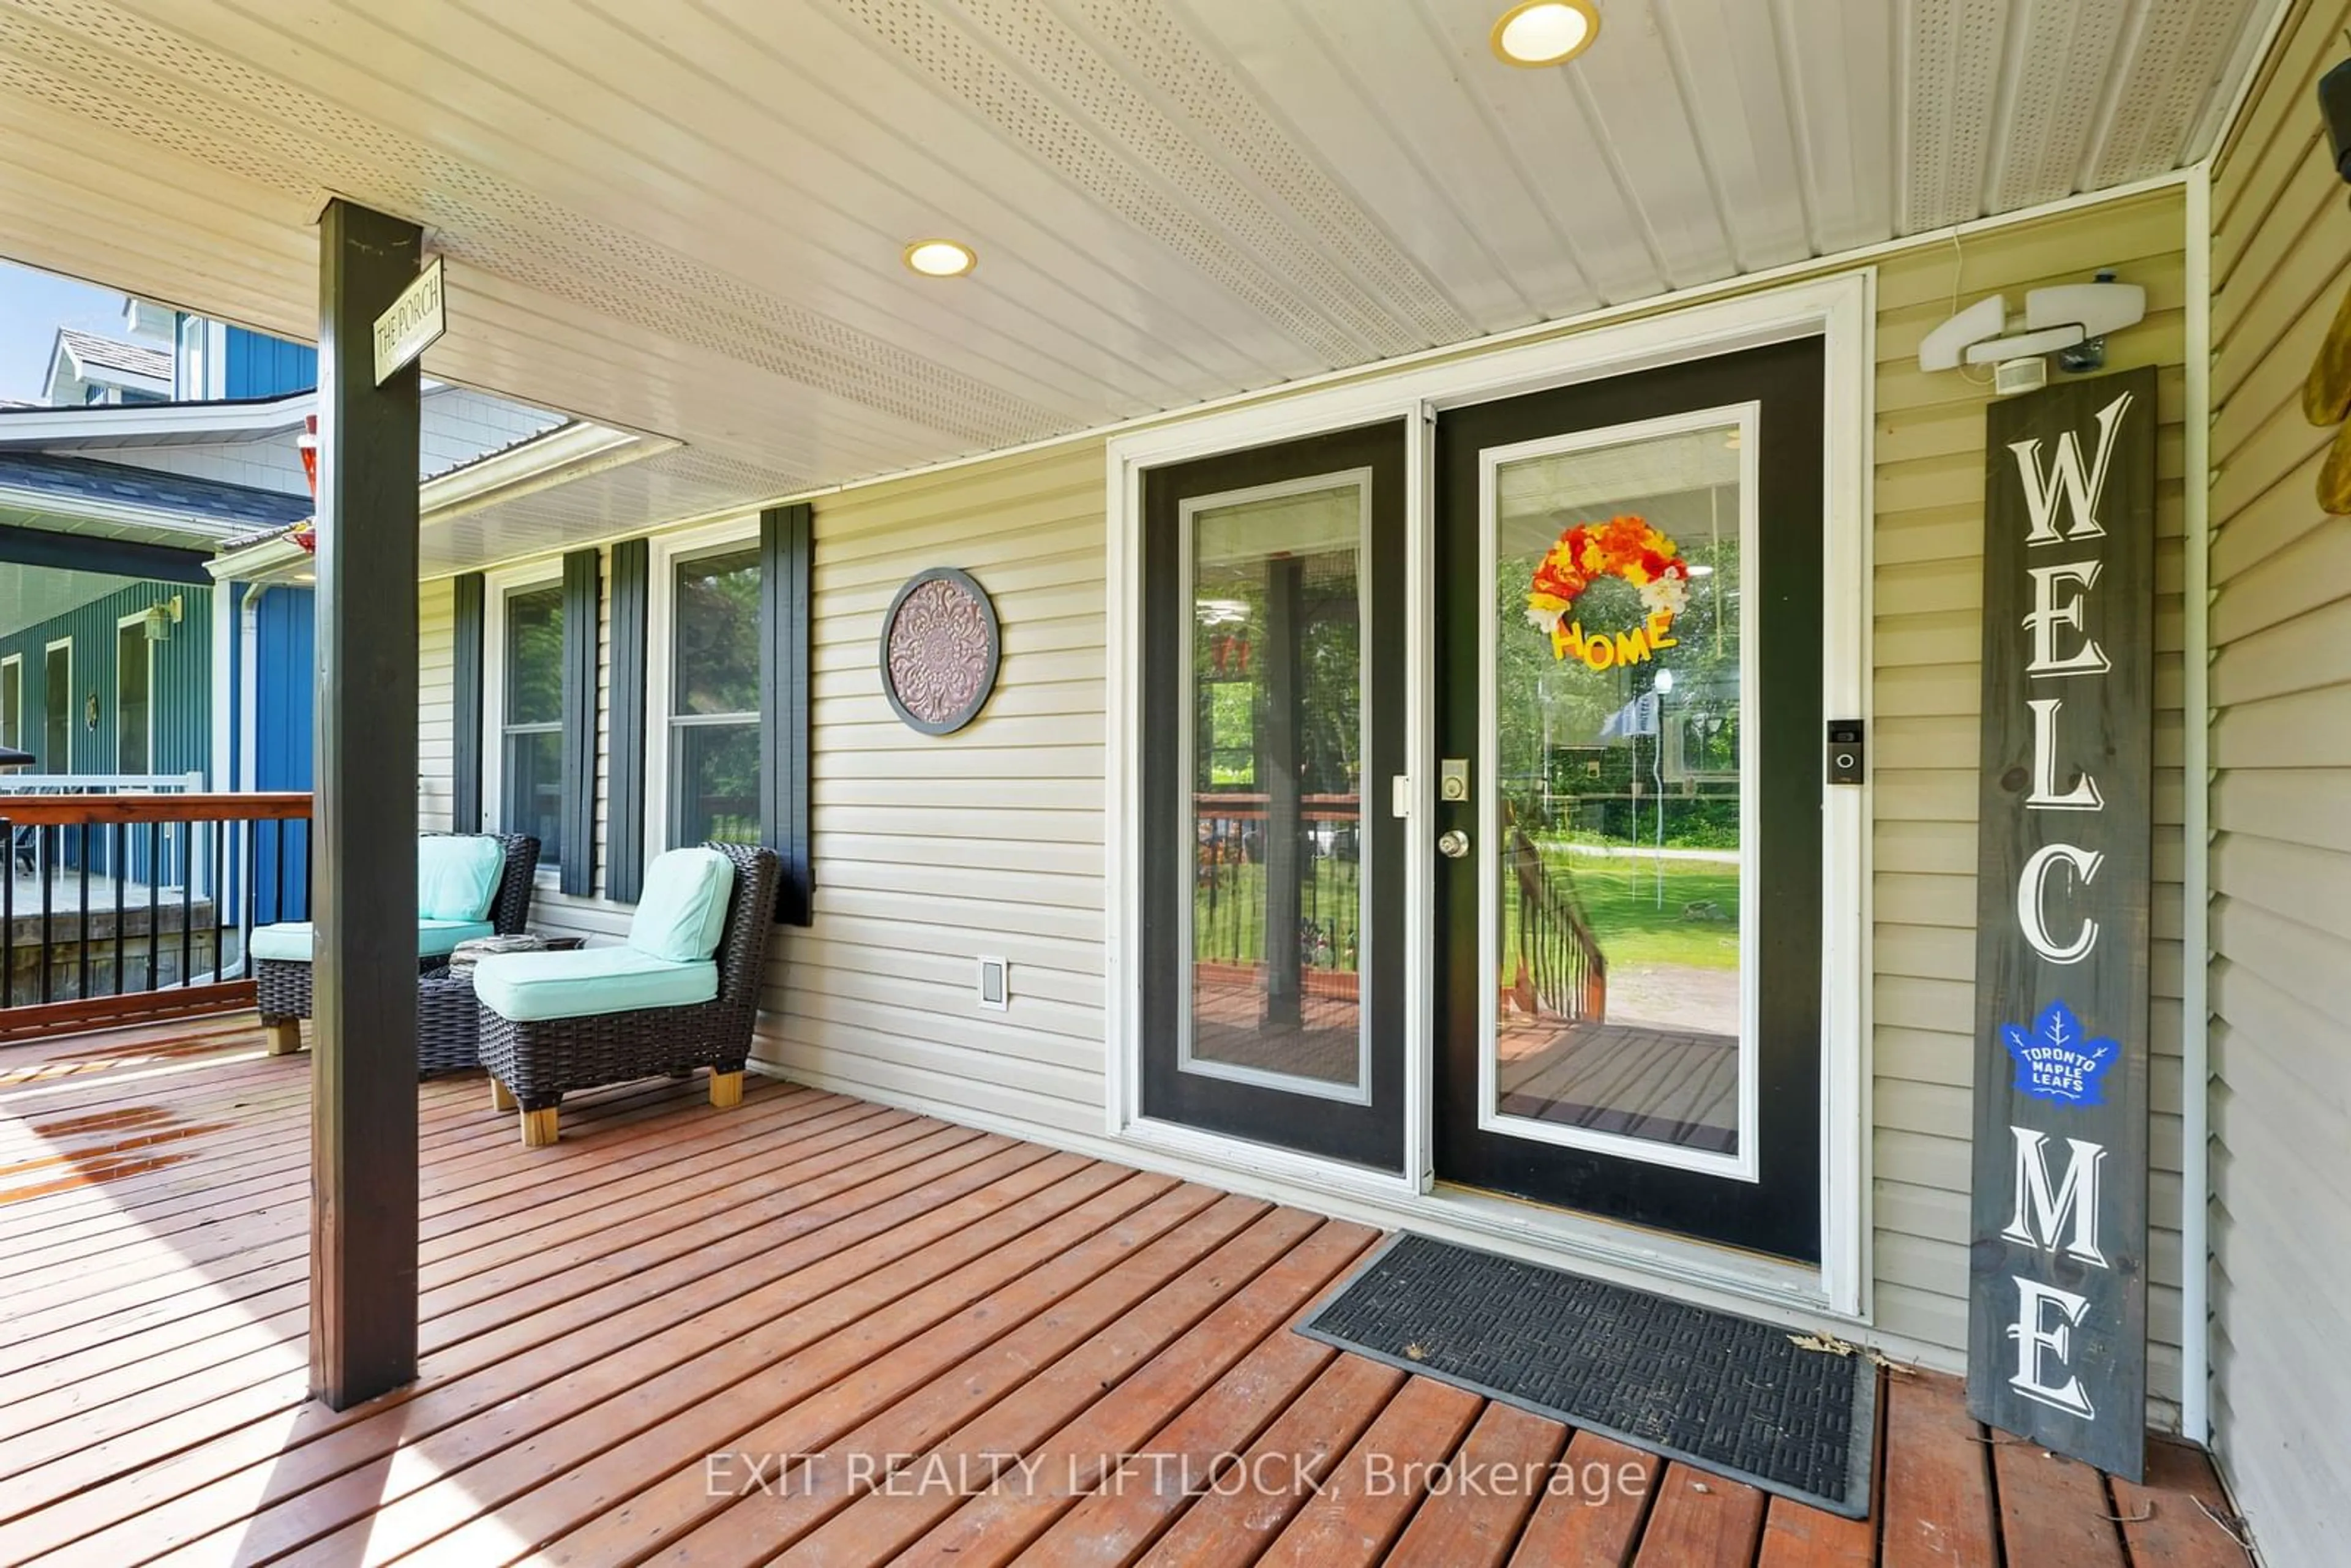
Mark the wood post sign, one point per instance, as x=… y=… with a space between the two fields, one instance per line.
x=2057 y=1265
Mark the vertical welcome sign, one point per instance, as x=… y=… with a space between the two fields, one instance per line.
x=2057 y=1286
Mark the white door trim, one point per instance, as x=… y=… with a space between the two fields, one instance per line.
x=72 y=712
x=147 y=742
x=1840 y=307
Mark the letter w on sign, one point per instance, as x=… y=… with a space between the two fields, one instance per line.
x=2057 y=1259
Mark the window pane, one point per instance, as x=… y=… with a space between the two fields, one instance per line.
x=714 y=772
x=131 y=705
x=533 y=785
x=1278 y=742
x=718 y=633
x=534 y=652
x=12 y=705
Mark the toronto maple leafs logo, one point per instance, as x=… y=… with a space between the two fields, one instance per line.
x=2057 y=1061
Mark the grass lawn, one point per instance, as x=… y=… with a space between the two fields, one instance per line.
x=1619 y=893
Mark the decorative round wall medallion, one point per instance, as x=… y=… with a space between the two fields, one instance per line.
x=940 y=651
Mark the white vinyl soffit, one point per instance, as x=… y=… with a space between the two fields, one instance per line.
x=697 y=229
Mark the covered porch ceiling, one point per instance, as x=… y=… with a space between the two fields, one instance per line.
x=688 y=220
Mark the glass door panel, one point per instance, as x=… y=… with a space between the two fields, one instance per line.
x=1277 y=764
x=1616 y=921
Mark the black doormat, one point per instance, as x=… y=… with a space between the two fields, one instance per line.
x=1724 y=1392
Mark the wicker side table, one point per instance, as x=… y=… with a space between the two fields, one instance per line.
x=448 y=1029
x=448 y=1019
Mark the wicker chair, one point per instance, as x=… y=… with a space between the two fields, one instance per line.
x=534 y=1064
x=282 y=986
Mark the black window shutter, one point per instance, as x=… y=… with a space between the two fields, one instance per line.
x=624 y=808
x=787 y=555
x=580 y=613
x=465 y=709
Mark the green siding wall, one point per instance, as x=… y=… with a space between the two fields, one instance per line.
x=182 y=699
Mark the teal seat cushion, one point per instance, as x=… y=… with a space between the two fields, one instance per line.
x=457 y=875
x=532 y=987
x=682 y=908
x=291 y=942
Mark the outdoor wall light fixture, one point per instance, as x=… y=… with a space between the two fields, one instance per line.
x=940 y=258
x=1545 y=32
x=2069 y=319
x=159 y=621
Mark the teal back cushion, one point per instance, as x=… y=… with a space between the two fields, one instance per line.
x=457 y=875
x=682 y=908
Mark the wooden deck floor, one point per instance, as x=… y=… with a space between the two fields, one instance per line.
x=823 y=1331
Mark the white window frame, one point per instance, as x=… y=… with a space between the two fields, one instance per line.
x=495 y=586
x=139 y=620
x=661 y=616
x=1357 y=1091
x=12 y=679
x=47 y=695
x=1744 y=1162
x=1841 y=308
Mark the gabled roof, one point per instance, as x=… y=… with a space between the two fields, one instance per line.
x=117 y=354
x=68 y=488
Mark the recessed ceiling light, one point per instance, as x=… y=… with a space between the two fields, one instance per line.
x=1545 y=32
x=940 y=258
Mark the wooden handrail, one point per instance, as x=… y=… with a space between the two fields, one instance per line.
x=1254 y=808
x=54 y=810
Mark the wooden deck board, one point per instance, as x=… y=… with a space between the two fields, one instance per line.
x=1099 y=1359
x=1475 y=1516
x=994 y=1402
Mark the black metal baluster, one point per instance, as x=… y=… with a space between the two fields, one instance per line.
x=81 y=948
x=310 y=864
x=8 y=919
x=45 y=841
x=220 y=900
x=122 y=865
x=154 y=916
x=187 y=903
x=277 y=871
x=248 y=901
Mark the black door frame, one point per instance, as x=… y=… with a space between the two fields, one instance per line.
x=1368 y=1132
x=1779 y=1213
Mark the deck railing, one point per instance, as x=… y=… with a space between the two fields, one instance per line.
x=1236 y=877
x=1557 y=956
x=122 y=907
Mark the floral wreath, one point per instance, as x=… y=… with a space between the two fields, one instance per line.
x=1625 y=547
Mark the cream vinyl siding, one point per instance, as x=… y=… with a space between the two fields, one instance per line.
x=1928 y=638
x=2281 y=974
x=931 y=852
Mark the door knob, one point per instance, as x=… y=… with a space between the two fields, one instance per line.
x=1453 y=844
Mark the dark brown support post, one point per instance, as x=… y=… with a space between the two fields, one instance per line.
x=1282 y=748
x=364 y=1184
